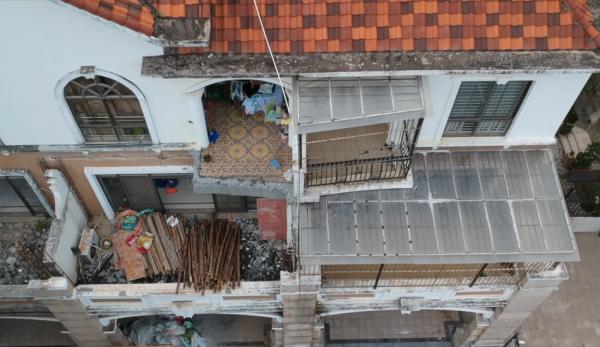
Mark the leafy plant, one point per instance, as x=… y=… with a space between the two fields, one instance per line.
x=585 y=159
x=565 y=128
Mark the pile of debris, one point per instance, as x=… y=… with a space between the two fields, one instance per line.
x=262 y=260
x=199 y=254
x=165 y=330
x=101 y=270
x=22 y=252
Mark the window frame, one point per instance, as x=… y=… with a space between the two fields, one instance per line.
x=95 y=105
x=473 y=124
x=78 y=137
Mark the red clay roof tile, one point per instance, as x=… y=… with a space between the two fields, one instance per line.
x=362 y=25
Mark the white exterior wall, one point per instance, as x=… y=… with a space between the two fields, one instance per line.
x=548 y=100
x=66 y=228
x=43 y=41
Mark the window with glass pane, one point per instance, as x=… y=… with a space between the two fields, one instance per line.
x=485 y=108
x=106 y=111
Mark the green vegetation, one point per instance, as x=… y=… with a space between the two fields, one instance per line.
x=585 y=159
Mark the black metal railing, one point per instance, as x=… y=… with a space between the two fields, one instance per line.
x=393 y=162
x=358 y=170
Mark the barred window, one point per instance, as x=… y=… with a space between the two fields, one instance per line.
x=485 y=108
x=106 y=111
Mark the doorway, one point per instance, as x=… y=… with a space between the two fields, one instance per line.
x=18 y=198
x=167 y=192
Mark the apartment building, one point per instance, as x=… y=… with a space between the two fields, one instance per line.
x=399 y=152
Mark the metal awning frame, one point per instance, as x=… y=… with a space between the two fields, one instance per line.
x=364 y=119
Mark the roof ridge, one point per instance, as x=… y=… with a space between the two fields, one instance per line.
x=583 y=16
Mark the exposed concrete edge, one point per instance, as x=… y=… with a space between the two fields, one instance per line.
x=585 y=224
x=313 y=194
x=260 y=65
x=126 y=290
x=246 y=187
x=15 y=291
x=34 y=187
x=464 y=258
x=104 y=148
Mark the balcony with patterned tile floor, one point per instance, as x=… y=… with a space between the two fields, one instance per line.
x=247 y=145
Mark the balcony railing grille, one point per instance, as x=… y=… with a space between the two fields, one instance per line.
x=393 y=162
x=414 y=275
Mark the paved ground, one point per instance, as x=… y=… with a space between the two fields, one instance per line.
x=571 y=316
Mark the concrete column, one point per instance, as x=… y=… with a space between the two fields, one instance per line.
x=57 y=294
x=465 y=335
x=276 y=333
x=506 y=321
x=299 y=297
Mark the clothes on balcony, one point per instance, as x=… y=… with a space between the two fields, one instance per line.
x=263 y=102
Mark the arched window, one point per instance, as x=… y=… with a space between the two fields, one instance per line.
x=106 y=111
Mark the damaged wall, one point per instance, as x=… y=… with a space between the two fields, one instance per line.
x=75 y=163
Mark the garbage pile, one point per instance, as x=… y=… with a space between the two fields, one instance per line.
x=165 y=330
x=101 y=270
x=21 y=251
x=261 y=260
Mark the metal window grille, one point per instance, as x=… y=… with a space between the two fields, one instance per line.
x=485 y=108
x=106 y=111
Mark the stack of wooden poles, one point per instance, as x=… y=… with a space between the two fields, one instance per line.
x=164 y=257
x=211 y=257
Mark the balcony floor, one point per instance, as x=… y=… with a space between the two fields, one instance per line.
x=18 y=237
x=246 y=145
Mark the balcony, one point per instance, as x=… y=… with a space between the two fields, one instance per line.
x=428 y=275
x=248 y=143
x=357 y=129
x=27 y=231
x=370 y=153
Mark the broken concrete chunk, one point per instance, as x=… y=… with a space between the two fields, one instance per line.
x=187 y=32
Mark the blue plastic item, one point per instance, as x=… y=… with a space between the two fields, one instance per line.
x=275 y=164
x=213 y=136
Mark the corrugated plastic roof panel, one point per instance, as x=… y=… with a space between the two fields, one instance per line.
x=464 y=207
x=323 y=101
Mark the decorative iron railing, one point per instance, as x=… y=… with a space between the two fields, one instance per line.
x=414 y=275
x=392 y=162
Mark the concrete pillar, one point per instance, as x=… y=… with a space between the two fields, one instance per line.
x=469 y=332
x=276 y=333
x=299 y=297
x=57 y=294
x=506 y=321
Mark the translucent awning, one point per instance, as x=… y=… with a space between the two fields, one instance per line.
x=464 y=207
x=326 y=103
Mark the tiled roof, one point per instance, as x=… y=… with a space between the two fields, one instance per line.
x=295 y=26
x=129 y=13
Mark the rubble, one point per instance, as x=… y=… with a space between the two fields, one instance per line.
x=101 y=270
x=260 y=260
x=16 y=238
